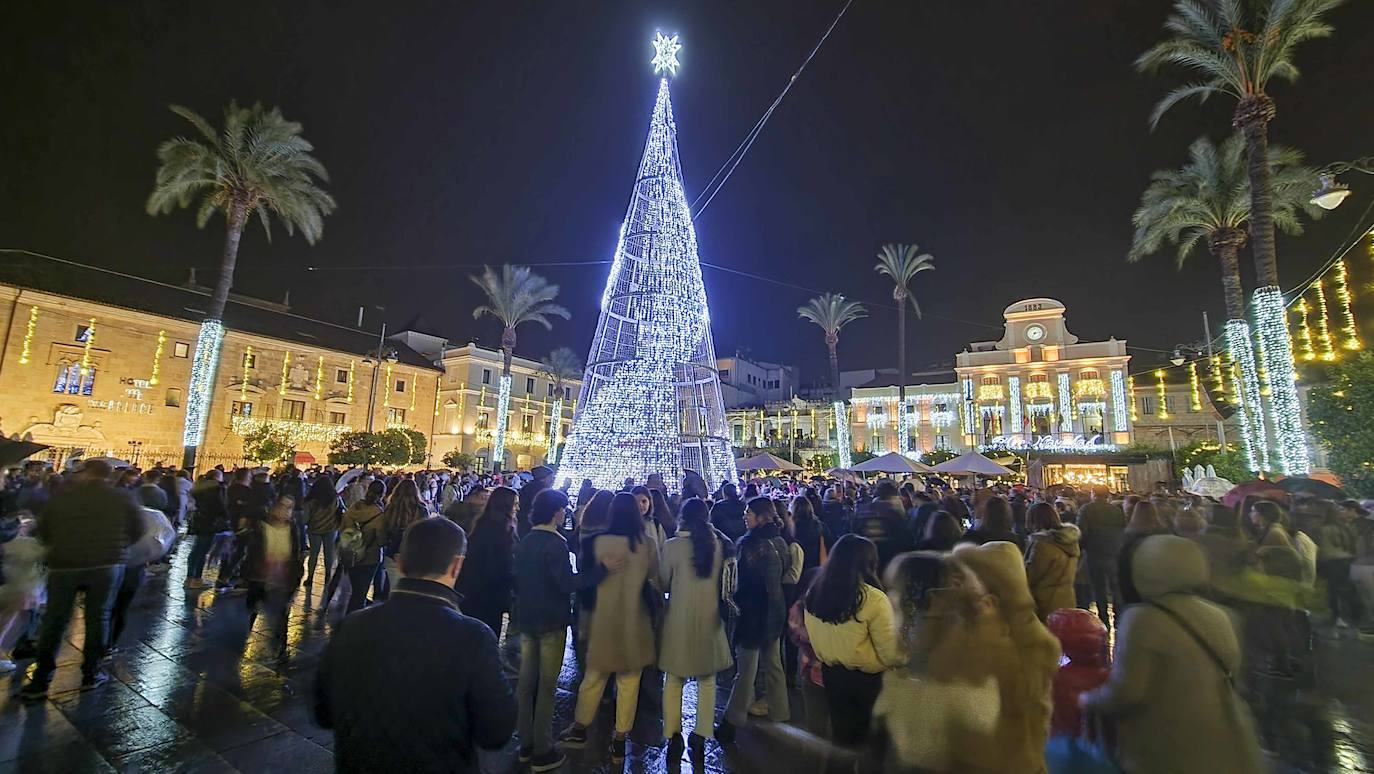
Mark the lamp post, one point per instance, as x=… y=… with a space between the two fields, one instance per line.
x=1331 y=192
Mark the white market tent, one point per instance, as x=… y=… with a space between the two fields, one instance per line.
x=972 y=464
x=892 y=462
x=766 y=461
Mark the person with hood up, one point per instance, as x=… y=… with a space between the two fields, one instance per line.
x=1172 y=689
x=1051 y=560
x=1026 y=686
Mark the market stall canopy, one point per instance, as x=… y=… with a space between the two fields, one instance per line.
x=972 y=464
x=304 y=458
x=16 y=451
x=766 y=461
x=892 y=462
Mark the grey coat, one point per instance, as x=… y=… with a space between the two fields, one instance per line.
x=621 y=634
x=694 y=643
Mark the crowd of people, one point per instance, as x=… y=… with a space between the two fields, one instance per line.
x=922 y=625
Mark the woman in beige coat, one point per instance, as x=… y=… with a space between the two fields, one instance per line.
x=694 y=642
x=620 y=638
x=1051 y=560
x=1170 y=689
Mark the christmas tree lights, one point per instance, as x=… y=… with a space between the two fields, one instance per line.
x=157 y=358
x=1328 y=349
x=200 y=390
x=1065 y=404
x=1291 y=441
x=1119 y=405
x=1245 y=386
x=1349 y=332
x=27 y=351
x=1017 y=416
x=650 y=399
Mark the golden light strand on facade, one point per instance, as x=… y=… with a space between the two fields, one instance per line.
x=437 y=381
x=414 y=388
x=32 y=325
x=319 y=377
x=243 y=380
x=1328 y=349
x=1349 y=331
x=157 y=357
x=86 y=350
x=352 y=369
x=1163 y=394
x=1196 y=398
x=386 y=395
x=285 y=372
x=1218 y=381
x=1130 y=394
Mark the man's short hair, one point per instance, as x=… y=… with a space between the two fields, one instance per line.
x=430 y=546
x=546 y=505
x=96 y=469
x=763 y=508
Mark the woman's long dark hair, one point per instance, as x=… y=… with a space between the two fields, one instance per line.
x=661 y=512
x=996 y=516
x=376 y=493
x=625 y=519
x=322 y=490
x=404 y=508
x=696 y=519
x=836 y=595
x=497 y=522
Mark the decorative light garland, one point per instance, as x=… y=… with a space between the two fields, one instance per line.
x=1065 y=405
x=352 y=368
x=437 y=384
x=903 y=434
x=652 y=350
x=554 y=417
x=29 y=329
x=157 y=357
x=1218 y=381
x=1119 y=405
x=199 y=392
x=1163 y=393
x=1328 y=349
x=243 y=380
x=386 y=391
x=968 y=407
x=414 y=388
x=1039 y=391
x=1088 y=388
x=86 y=350
x=285 y=373
x=1349 y=330
x=296 y=431
x=1130 y=391
x=1245 y=386
x=842 y=440
x=1305 y=330
x=1273 y=335
x=1193 y=385
x=990 y=392
x=498 y=447
x=1017 y=416
x=319 y=377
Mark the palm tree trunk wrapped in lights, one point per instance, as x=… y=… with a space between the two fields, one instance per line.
x=1236 y=49
x=650 y=400
x=260 y=164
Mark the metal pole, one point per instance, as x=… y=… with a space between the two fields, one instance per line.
x=376 y=363
x=1207 y=337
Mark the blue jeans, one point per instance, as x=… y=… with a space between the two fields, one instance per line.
x=330 y=543
x=200 y=549
x=100 y=584
x=541 y=659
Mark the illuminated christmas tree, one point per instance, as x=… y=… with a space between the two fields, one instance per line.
x=650 y=400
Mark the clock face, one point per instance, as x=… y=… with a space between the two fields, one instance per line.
x=1034 y=333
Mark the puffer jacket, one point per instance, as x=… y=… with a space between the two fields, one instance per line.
x=1051 y=563
x=1175 y=709
x=763 y=561
x=211 y=514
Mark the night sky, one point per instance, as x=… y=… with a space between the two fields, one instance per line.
x=1009 y=139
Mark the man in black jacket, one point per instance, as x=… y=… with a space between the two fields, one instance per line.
x=412 y=684
x=884 y=522
x=728 y=515
x=86 y=528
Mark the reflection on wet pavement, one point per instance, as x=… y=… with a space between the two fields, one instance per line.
x=195 y=688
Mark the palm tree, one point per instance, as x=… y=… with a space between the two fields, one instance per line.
x=516 y=295
x=1209 y=199
x=558 y=366
x=832 y=311
x=1236 y=47
x=901 y=264
x=259 y=164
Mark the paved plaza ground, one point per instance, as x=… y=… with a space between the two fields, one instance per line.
x=195 y=689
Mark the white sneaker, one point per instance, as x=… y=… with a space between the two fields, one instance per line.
x=6 y=666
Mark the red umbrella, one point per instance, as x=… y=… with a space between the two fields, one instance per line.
x=1266 y=490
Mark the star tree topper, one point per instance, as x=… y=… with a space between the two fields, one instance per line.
x=665 y=53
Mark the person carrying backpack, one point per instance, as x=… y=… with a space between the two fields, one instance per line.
x=360 y=543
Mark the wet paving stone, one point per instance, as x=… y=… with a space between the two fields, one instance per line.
x=196 y=688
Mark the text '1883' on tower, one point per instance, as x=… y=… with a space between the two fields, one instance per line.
x=650 y=400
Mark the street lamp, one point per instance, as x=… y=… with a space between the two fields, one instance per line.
x=1331 y=192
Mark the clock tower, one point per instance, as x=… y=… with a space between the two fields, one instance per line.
x=1035 y=322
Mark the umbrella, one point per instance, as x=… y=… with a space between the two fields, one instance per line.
x=1265 y=490
x=1214 y=487
x=347 y=478
x=972 y=464
x=113 y=462
x=765 y=461
x=892 y=462
x=304 y=458
x=1295 y=485
x=14 y=451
